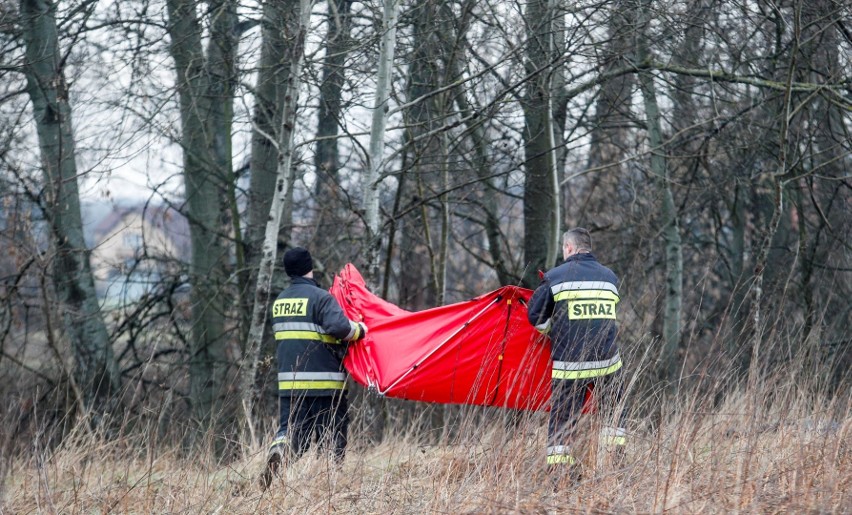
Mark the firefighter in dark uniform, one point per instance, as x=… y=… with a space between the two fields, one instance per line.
x=312 y=333
x=576 y=305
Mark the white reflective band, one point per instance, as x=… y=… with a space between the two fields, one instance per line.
x=585 y=365
x=354 y=329
x=613 y=431
x=558 y=449
x=297 y=326
x=583 y=285
x=311 y=376
x=544 y=327
x=616 y=436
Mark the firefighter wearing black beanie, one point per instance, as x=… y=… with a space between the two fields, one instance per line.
x=298 y=262
x=313 y=333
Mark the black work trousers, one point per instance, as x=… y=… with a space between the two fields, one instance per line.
x=323 y=420
x=570 y=399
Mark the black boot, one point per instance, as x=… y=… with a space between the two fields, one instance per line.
x=274 y=461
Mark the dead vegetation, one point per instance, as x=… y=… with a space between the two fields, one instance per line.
x=743 y=455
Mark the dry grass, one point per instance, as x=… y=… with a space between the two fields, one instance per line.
x=744 y=455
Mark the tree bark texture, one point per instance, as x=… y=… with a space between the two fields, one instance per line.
x=329 y=197
x=668 y=212
x=205 y=90
x=295 y=33
x=277 y=24
x=372 y=178
x=95 y=369
x=420 y=244
x=541 y=198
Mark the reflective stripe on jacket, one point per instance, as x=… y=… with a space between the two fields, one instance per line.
x=576 y=306
x=312 y=334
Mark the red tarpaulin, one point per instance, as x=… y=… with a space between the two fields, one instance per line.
x=482 y=351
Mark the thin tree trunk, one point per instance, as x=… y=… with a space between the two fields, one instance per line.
x=326 y=159
x=420 y=247
x=589 y=200
x=668 y=212
x=284 y=178
x=541 y=197
x=778 y=181
x=270 y=91
x=372 y=178
x=739 y=313
x=488 y=198
x=222 y=55
x=558 y=113
x=277 y=39
x=95 y=369
x=446 y=220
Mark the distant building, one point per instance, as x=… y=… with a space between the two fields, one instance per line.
x=135 y=247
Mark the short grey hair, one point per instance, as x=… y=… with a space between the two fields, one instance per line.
x=578 y=237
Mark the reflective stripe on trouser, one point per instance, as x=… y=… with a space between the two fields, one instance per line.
x=571 y=398
x=324 y=419
x=302 y=331
x=280 y=440
x=311 y=381
x=613 y=436
x=559 y=455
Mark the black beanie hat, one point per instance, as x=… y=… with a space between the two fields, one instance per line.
x=298 y=262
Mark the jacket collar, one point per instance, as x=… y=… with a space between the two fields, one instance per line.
x=303 y=280
x=583 y=256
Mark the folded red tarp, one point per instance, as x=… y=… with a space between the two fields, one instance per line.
x=482 y=351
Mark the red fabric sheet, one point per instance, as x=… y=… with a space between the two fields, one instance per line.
x=482 y=351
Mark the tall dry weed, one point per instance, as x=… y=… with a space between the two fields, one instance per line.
x=778 y=447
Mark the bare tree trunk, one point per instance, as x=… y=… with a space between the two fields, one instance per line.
x=205 y=88
x=372 y=179
x=488 y=193
x=739 y=314
x=668 y=213
x=831 y=139
x=222 y=56
x=277 y=33
x=588 y=200
x=486 y=196
x=541 y=197
x=420 y=245
x=559 y=110
x=326 y=158
x=446 y=220
x=376 y=415
x=284 y=178
x=95 y=369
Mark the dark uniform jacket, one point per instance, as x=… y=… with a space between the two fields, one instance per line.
x=575 y=304
x=309 y=325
